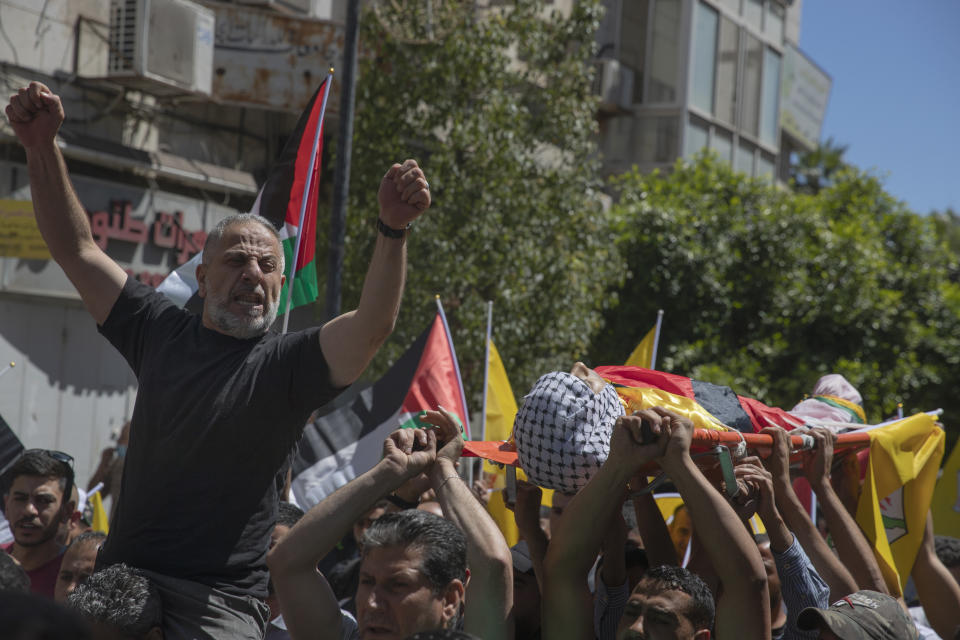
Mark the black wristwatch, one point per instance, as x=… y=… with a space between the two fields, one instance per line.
x=390 y=232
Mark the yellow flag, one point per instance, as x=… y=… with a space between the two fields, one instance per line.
x=904 y=460
x=100 y=521
x=642 y=356
x=946 y=498
x=501 y=411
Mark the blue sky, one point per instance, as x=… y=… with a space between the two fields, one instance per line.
x=896 y=90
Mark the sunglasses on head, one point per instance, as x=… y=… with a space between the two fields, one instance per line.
x=59 y=456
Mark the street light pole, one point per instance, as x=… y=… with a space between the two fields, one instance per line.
x=341 y=176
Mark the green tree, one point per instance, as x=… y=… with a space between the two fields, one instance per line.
x=509 y=149
x=814 y=170
x=765 y=289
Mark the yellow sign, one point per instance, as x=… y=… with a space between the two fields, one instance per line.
x=19 y=235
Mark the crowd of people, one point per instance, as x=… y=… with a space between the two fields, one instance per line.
x=202 y=543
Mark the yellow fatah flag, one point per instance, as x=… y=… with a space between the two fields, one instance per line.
x=901 y=474
x=642 y=356
x=501 y=412
x=100 y=520
x=946 y=497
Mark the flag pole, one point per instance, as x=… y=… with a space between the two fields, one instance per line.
x=311 y=183
x=656 y=339
x=463 y=396
x=486 y=370
x=8 y=367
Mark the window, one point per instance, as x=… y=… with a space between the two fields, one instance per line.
x=770 y=104
x=749 y=110
x=744 y=158
x=728 y=55
x=664 y=63
x=722 y=143
x=633 y=41
x=753 y=14
x=704 y=54
x=733 y=6
x=765 y=165
x=773 y=24
x=695 y=137
x=656 y=139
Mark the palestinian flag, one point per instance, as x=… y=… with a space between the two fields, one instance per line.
x=288 y=199
x=346 y=439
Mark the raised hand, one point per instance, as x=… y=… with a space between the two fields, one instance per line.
x=778 y=464
x=679 y=436
x=818 y=461
x=627 y=449
x=35 y=115
x=410 y=451
x=449 y=435
x=404 y=194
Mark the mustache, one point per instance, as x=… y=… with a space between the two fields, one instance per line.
x=257 y=289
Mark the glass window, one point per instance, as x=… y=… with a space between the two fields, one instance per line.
x=733 y=6
x=728 y=55
x=744 y=158
x=753 y=14
x=664 y=63
x=695 y=137
x=765 y=166
x=770 y=105
x=773 y=25
x=749 y=109
x=633 y=41
x=704 y=54
x=722 y=143
x=657 y=139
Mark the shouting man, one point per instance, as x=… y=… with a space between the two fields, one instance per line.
x=221 y=401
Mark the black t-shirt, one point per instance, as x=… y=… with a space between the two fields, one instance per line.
x=214 y=420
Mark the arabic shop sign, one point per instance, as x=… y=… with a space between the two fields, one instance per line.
x=269 y=60
x=148 y=232
x=19 y=235
x=165 y=233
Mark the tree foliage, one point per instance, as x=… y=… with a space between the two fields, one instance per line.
x=509 y=150
x=814 y=170
x=765 y=289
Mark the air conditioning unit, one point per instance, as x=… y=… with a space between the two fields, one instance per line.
x=614 y=84
x=162 y=47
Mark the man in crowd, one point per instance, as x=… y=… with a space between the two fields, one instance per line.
x=865 y=615
x=38 y=486
x=78 y=563
x=413 y=571
x=220 y=401
x=669 y=603
x=119 y=600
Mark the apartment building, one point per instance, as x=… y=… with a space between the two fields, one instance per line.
x=677 y=76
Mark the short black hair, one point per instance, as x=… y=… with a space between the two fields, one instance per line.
x=120 y=597
x=13 y=579
x=442 y=544
x=88 y=536
x=667 y=577
x=38 y=462
x=948 y=550
x=288 y=514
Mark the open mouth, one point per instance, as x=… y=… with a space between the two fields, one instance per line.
x=250 y=300
x=376 y=631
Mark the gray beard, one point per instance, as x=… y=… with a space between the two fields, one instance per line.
x=241 y=327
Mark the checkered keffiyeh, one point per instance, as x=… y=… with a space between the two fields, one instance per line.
x=562 y=431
